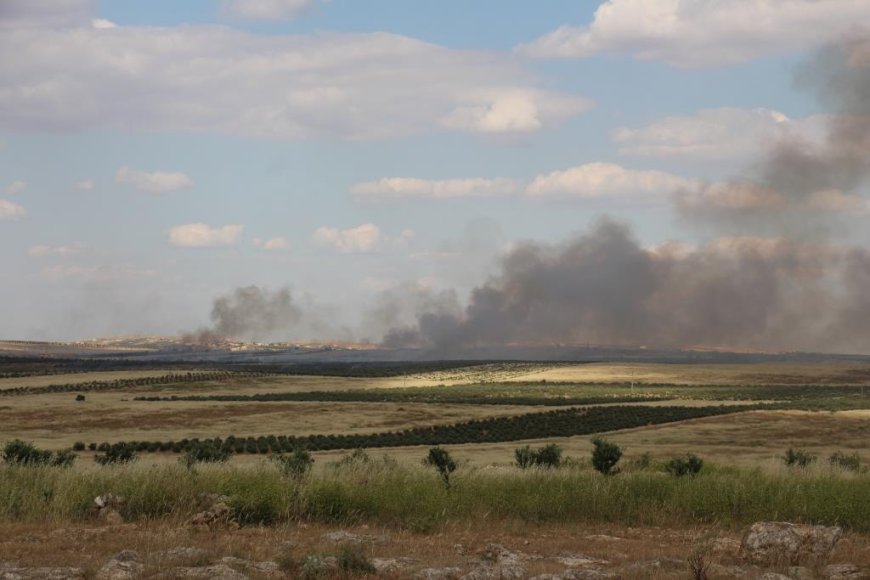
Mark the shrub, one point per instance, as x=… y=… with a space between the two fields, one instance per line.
x=296 y=464
x=356 y=457
x=78 y=446
x=691 y=464
x=64 y=458
x=92 y=446
x=352 y=560
x=440 y=459
x=849 y=462
x=643 y=461
x=605 y=456
x=21 y=453
x=80 y=398
x=798 y=457
x=546 y=456
x=524 y=457
x=205 y=452
x=116 y=453
x=549 y=456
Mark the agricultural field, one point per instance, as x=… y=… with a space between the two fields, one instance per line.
x=368 y=429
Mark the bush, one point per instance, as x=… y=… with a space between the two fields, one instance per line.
x=849 y=462
x=78 y=446
x=20 y=453
x=691 y=464
x=116 y=453
x=605 y=456
x=547 y=456
x=205 y=452
x=64 y=458
x=296 y=464
x=798 y=458
x=80 y=398
x=440 y=459
x=352 y=560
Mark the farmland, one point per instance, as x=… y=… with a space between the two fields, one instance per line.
x=739 y=418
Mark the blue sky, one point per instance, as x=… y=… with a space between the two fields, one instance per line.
x=154 y=155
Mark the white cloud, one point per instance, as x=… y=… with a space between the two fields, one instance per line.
x=606 y=181
x=699 y=33
x=153 y=182
x=16 y=187
x=398 y=188
x=271 y=245
x=11 y=211
x=42 y=251
x=513 y=111
x=267 y=9
x=204 y=236
x=216 y=79
x=361 y=239
x=85 y=184
x=723 y=134
x=102 y=24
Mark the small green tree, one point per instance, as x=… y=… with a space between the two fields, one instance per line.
x=204 y=452
x=116 y=453
x=849 y=462
x=64 y=458
x=296 y=464
x=605 y=456
x=691 y=464
x=798 y=458
x=549 y=456
x=19 y=452
x=524 y=457
x=440 y=459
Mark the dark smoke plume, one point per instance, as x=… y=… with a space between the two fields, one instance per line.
x=800 y=188
x=793 y=291
x=252 y=313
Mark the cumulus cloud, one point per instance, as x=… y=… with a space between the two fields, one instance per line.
x=513 y=111
x=215 y=79
x=700 y=33
x=271 y=245
x=359 y=240
x=266 y=9
x=399 y=188
x=11 y=211
x=606 y=181
x=16 y=187
x=204 y=236
x=85 y=184
x=725 y=133
x=42 y=250
x=153 y=181
x=364 y=238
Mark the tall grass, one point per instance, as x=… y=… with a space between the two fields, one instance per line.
x=414 y=497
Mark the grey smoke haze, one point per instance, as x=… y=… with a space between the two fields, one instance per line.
x=802 y=189
x=773 y=280
x=792 y=291
x=254 y=313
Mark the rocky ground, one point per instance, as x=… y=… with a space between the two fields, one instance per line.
x=121 y=551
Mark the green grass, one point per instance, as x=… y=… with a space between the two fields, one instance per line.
x=384 y=493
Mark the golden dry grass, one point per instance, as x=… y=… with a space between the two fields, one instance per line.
x=703 y=374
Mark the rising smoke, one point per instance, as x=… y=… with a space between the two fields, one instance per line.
x=773 y=281
x=252 y=313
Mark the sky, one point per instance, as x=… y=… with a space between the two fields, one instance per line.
x=155 y=156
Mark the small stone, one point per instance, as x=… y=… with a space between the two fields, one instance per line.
x=182 y=556
x=845 y=572
x=125 y=565
x=438 y=574
x=216 y=572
